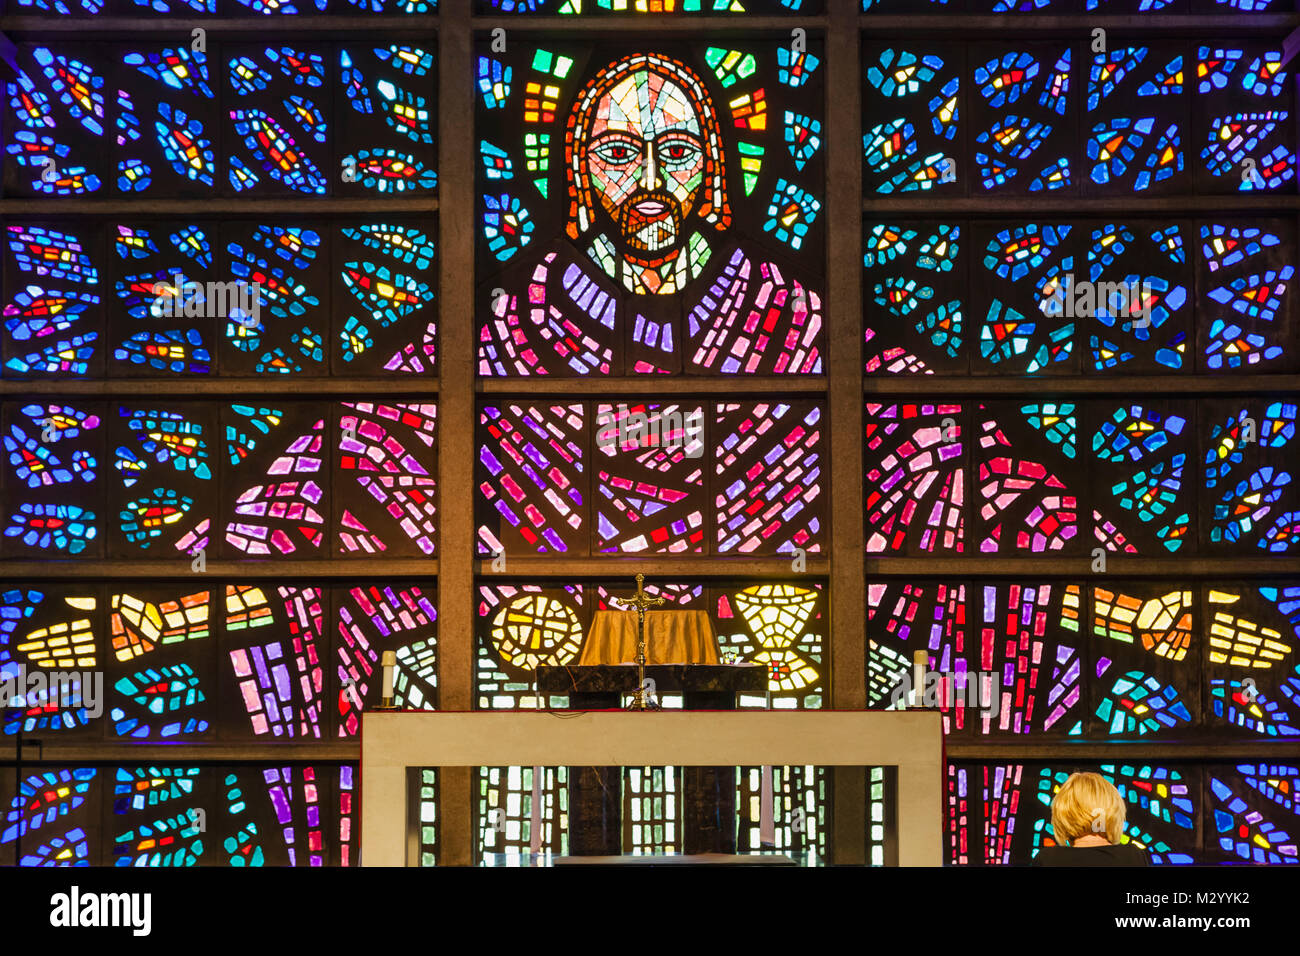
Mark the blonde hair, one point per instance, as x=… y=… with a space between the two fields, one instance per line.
x=1086 y=804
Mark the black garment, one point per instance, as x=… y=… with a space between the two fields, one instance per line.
x=1125 y=854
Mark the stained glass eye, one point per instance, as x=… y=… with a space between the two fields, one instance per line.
x=615 y=152
x=678 y=152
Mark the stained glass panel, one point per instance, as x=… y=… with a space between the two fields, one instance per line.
x=211 y=660
x=524 y=626
x=1248 y=496
x=1121 y=297
x=522 y=810
x=202 y=480
x=1125 y=659
x=1000 y=814
x=344 y=297
x=940 y=7
x=799 y=803
x=372 y=619
x=703 y=259
x=54 y=302
x=53 y=479
x=1170 y=116
x=202 y=10
x=1248 y=320
x=656 y=466
x=1254 y=813
x=1071 y=477
x=271 y=107
x=656 y=212
x=183 y=815
x=1252 y=666
x=593 y=8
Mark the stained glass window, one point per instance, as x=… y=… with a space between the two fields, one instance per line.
x=522 y=810
x=428 y=797
x=650 y=213
x=651 y=7
x=1059 y=473
x=799 y=809
x=1008 y=656
x=1000 y=813
x=231 y=299
x=202 y=10
x=1138 y=651
x=1128 y=296
x=1083 y=241
x=271 y=106
x=196 y=479
x=1073 y=476
x=1254 y=813
x=939 y=7
x=524 y=626
x=1124 y=659
x=1246 y=477
x=1251 y=669
x=652 y=805
x=1014 y=102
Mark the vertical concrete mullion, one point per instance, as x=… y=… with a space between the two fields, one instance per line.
x=845 y=407
x=456 y=412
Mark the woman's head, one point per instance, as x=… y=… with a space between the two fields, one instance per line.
x=1087 y=805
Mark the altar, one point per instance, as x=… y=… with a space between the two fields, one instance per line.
x=632 y=654
x=393 y=744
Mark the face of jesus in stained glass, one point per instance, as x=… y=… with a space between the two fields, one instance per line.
x=646 y=172
x=646 y=160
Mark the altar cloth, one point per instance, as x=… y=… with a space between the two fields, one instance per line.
x=673 y=636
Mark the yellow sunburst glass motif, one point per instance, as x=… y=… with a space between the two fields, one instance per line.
x=139 y=626
x=1163 y=624
x=533 y=630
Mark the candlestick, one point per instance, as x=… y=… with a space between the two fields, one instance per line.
x=920 y=664
x=389 y=663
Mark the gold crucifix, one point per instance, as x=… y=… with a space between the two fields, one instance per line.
x=640 y=602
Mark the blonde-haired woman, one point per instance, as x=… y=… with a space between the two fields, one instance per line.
x=1088 y=821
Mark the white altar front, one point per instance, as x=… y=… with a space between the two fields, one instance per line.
x=392 y=742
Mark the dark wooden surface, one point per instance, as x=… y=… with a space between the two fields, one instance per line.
x=668 y=678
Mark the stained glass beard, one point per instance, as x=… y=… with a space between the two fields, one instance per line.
x=650 y=222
